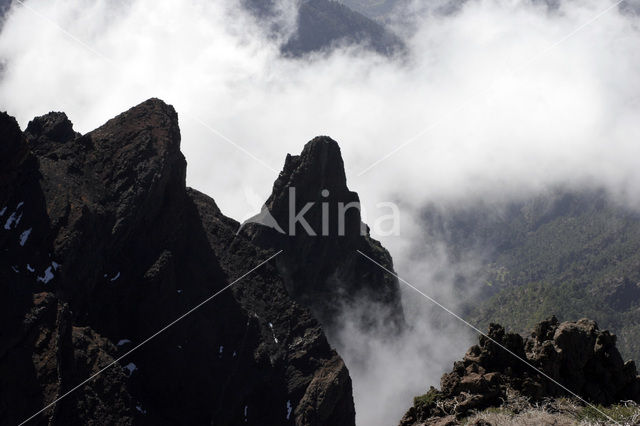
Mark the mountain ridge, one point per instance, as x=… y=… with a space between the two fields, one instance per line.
x=103 y=246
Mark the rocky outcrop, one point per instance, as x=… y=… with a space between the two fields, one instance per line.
x=314 y=217
x=577 y=355
x=102 y=246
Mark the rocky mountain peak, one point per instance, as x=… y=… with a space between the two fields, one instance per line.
x=128 y=172
x=318 y=167
x=54 y=126
x=315 y=183
x=148 y=131
x=103 y=245
x=320 y=231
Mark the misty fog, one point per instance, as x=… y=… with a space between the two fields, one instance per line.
x=493 y=99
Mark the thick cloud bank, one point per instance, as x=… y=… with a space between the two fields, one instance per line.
x=494 y=98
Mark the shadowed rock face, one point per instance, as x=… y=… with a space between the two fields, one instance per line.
x=103 y=245
x=48 y=130
x=577 y=355
x=320 y=263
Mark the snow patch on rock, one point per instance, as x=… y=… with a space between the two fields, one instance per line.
x=48 y=275
x=289 y=409
x=131 y=367
x=25 y=236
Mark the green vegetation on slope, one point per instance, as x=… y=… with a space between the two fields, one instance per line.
x=572 y=255
x=562 y=411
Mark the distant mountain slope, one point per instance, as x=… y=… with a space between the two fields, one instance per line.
x=374 y=9
x=572 y=254
x=323 y=24
x=4 y=7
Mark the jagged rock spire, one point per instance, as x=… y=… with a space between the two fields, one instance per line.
x=322 y=234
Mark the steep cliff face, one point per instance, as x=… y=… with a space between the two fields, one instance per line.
x=319 y=227
x=102 y=246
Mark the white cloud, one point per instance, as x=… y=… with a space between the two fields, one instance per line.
x=503 y=110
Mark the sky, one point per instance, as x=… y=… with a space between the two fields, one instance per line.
x=500 y=98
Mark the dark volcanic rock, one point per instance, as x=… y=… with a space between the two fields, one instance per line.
x=320 y=263
x=577 y=355
x=13 y=150
x=102 y=246
x=54 y=126
x=45 y=132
